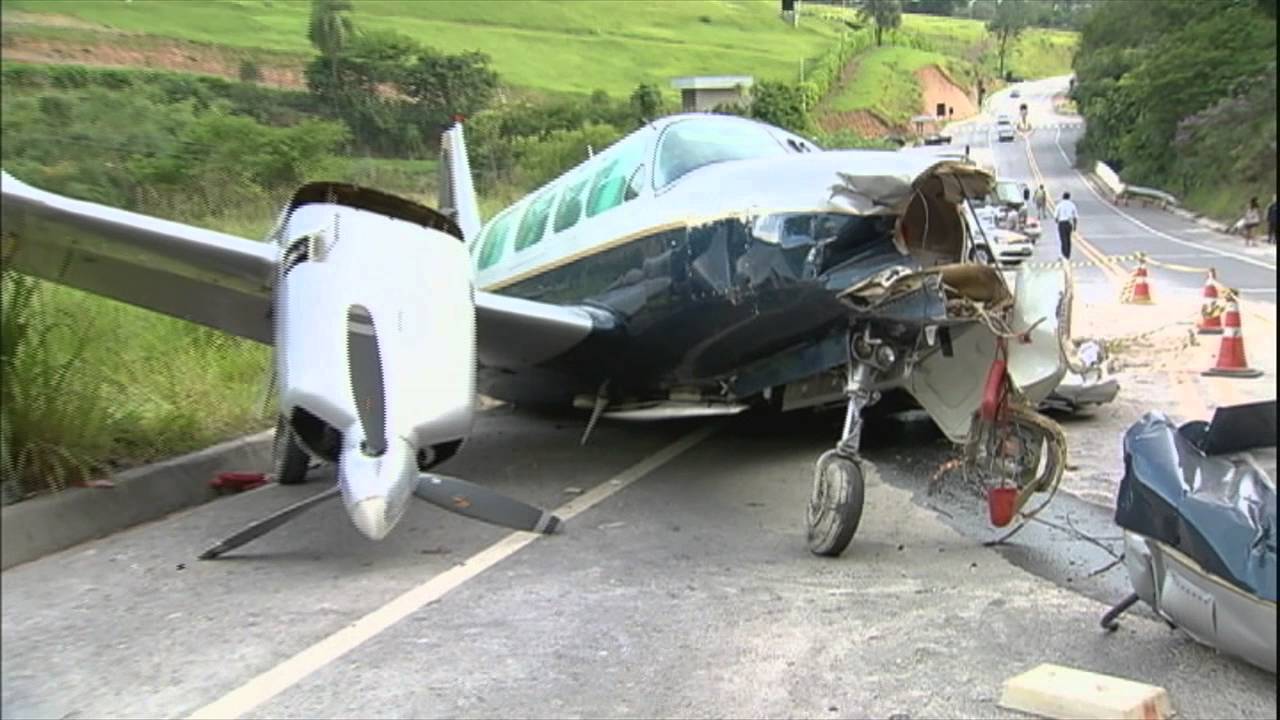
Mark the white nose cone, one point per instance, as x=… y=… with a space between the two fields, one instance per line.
x=370 y=517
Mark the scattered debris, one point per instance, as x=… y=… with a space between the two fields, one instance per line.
x=1055 y=691
x=235 y=482
x=573 y=491
x=1197 y=505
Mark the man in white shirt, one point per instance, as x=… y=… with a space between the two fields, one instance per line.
x=1067 y=216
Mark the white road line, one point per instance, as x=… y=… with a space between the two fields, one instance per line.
x=271 y=683
x=1148 y=228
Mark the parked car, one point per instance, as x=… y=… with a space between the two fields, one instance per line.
x=992 y=244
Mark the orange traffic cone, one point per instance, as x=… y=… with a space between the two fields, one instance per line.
x=1141 y=291
x=1231 y=360
x=1210 y=321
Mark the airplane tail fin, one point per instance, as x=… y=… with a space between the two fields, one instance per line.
x=457 y=193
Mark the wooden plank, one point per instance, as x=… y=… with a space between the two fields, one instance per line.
x=1064 y=693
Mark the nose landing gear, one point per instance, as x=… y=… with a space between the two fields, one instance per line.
x=839 y=484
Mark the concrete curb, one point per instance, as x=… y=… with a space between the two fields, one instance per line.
x=34 y=528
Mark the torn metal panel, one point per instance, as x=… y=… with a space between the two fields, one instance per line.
x=1200 y=526
x=1220 y=510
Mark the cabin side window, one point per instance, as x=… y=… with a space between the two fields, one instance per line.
x=570 y=209
x=617 y=181
x=534 y=223
x=494 y=241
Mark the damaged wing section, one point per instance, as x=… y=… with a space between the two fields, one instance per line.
x=965 y=309
x=1198 y=507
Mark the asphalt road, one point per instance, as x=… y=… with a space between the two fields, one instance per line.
x=687 y=593
x=681 y=587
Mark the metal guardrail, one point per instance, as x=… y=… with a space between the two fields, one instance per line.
x=1121 y=192
x=1160 y=195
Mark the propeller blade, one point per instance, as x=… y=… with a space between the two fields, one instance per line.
x=481 y=503
x=269 y=523
x=365 y=366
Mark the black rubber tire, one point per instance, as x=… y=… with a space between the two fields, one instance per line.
x=835 y=505
x=289 y=459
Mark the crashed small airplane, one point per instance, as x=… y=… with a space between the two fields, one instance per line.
x=702 y=265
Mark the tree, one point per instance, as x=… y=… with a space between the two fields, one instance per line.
x=1012 y=17
x=443 y=86
x=330 y=29
x=779 y=104
x=884 y=13
x=646 y=101
x=360 y=84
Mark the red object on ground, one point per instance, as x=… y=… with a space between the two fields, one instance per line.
x=1231 y=360
x=1000 y=503
x=1141 y=291
x=1210 y=325
x=238 y=481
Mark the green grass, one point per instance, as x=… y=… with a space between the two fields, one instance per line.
x=1044 y=53
x=1037 y=53
x=97 y=385
x=577 y=46
x=884 y=82
x=1225 y=202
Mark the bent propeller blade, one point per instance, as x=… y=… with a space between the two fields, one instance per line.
x=481 y=503
x=366 y=378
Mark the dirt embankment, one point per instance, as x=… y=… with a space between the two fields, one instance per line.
x=864 y=122
x=169 y=55
x=936 y=88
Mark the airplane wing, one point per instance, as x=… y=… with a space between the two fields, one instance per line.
x=224 y=281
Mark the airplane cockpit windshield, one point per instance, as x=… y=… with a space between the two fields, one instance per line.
x=690 y=144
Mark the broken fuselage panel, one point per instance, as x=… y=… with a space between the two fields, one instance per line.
x=740 y=277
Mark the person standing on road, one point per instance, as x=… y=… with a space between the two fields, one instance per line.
x=1068 y=217
x=1273 y=220
x=1252 y=219
x=1040 y=199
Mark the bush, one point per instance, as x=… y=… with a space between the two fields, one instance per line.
x=781 y=105
x=249 y=71
x=69 y=76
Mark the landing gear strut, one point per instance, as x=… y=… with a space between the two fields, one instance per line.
x=835 y=506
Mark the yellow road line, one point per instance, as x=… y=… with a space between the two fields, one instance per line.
x=1109 y=267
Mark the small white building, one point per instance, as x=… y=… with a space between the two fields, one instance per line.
x=702 y=94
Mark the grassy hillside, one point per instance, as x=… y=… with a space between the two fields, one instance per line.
x=577 y=46
x=884 y=82
x=1038 y=52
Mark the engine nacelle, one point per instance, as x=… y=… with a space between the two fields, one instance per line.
x=351 y=276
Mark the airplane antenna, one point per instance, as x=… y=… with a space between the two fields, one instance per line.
x=602 y=401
